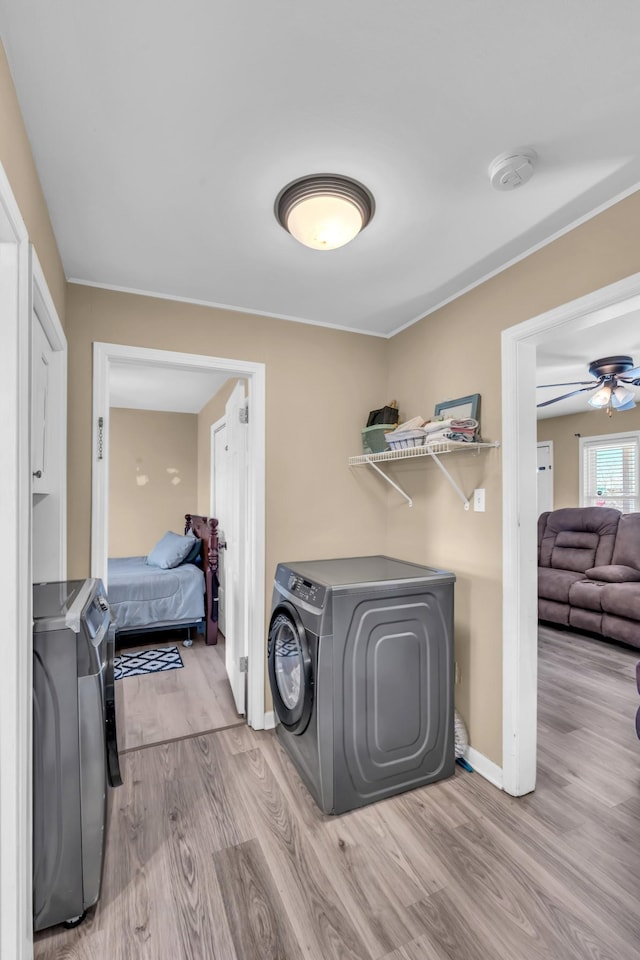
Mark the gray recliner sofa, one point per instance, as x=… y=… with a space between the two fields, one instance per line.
x=589 y=571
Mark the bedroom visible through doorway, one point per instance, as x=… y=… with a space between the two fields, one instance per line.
x=152 y=465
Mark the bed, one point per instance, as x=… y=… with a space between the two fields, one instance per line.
x=146 y=598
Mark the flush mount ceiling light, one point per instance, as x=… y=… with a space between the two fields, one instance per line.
x=324 y=211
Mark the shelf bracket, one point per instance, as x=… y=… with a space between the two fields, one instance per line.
x=455 y=486
x=392 y=482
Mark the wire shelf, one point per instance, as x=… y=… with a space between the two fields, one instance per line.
x=427 y=450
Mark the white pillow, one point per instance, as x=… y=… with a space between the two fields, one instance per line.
x=170 y=551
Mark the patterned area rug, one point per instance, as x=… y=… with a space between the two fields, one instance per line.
x=146 y=661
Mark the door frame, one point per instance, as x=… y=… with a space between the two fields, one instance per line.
x=255 y=373
x=519 y=514
x=16 y=939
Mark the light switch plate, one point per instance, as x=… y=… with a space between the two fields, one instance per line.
x=478 y=500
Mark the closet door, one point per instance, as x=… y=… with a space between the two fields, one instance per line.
x=41 y=383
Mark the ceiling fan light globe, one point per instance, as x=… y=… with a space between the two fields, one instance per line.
x=601 y=398
x=621 y=396
x=628 y=405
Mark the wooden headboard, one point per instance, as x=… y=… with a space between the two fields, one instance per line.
x=207 y=530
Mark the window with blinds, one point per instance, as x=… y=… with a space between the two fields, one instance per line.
x=609 y=471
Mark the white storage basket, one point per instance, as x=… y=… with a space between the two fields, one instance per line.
x=401 y=439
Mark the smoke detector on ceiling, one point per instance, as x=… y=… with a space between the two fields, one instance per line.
x=511 y=170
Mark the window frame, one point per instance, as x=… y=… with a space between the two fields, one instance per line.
x=608 y=438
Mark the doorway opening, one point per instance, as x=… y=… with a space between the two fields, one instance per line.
x=520 y=514
x=243 y=647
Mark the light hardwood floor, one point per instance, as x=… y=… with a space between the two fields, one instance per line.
x=197 y=698
x=217 y=852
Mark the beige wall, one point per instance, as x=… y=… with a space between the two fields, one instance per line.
x=566 y=455
x=320 y=386
x=210 y=413
x=152 y=477
x=454 y=352
x=17 y=160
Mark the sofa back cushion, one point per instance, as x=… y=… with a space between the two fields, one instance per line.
x=577 y=538
x=626 y=551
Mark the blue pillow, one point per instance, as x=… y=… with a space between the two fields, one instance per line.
x=170 y=551
x=194 y=555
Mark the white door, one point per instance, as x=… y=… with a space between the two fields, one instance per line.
x=236 y=640
x=219 y=474
x=41 y=372
x=545 y=476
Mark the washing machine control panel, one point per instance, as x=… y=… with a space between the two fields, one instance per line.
x=306 y=590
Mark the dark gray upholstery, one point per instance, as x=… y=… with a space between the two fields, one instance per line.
x=555 y=584
x=585 y=620
x=589 y=571
x=587 y=594
x=563 y=547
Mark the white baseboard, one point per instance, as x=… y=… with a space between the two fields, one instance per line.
x=269 y=720
x=485 y=767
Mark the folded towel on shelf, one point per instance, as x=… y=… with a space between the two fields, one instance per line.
x=468 y=424
x=463 y=429
x=436 y=426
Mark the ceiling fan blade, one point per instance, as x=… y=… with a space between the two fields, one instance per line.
x=565 y=396
x=575 y=383
x=630 y=374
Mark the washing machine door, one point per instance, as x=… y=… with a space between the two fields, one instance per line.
x=290 y=668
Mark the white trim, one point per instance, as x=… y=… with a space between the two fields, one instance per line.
x=56 y=407
x=519 y=439
x=254 y=373
x=15 y=576
x=269 y=720
x=250 y=311
x=215 y=427
x=485 y=767
x=521 y=256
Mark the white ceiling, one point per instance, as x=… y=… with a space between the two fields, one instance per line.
x=566 y=359
x=159 y=388
x=163 y=132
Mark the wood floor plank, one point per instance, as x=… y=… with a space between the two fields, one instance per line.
x=350 y=861
x=423 y=948
x=320 y=923
x=197 y=901
x=454 y=934
x=154 y=708
x=257 y=919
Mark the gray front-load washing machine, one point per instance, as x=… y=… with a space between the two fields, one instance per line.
x=361 y=672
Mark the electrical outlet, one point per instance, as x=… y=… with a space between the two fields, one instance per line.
x=478 y=500
x=456 y=672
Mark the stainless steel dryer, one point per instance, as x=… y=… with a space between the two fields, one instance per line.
x=361 y=672
x=75 y=753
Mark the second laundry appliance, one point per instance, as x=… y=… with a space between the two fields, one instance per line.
x=361 y=671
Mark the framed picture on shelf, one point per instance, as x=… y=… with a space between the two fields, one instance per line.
x=460 y=409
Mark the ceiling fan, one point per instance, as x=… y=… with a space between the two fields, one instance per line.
x=612 y=374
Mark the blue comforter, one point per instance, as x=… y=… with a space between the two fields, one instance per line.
x=141 y=595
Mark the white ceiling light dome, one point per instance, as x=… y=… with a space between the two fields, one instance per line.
x=324 y=211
